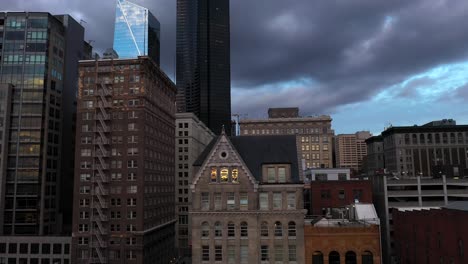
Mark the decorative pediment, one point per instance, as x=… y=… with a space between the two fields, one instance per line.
x=224 y=164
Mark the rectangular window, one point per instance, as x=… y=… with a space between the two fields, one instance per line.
x=342 y=177
x=264 y=201
x=271 y=174
x=291 y=200
x=264 y=253
x=205 y=201
x=231 y=254
x=277 y=200
x=292 y=253
x=218 y=253
x=279 y=253
x=217 y=201
x=205 y=253
x=244 y=254
x=341 y=194
x=281 y=174
x=231 y=201
x=321 y=177
x=244 y=201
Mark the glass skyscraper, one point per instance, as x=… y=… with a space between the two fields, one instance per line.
x=137 y=32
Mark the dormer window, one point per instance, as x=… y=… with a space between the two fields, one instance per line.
x=276 y=173
x=214 y=174
x=224 y=175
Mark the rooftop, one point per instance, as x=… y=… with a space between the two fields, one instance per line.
x=458 y=205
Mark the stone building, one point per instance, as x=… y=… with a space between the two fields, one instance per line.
x=314 y=134
x=247 y=202
x=375 y=156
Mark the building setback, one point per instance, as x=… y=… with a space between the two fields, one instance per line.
x=40 y=54
x=350 y=150
x=247 y=202
x=314 y=134
x=124 y=169
x=203 y=61
x=432 y=236
x=375 y=156
x=192 y=137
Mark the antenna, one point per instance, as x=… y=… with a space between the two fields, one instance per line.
x=82 y=21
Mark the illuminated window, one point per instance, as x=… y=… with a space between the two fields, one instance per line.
x=224 y=174
x=235 y=175
x=214 y=175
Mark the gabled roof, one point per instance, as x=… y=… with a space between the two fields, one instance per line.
x=256 y=151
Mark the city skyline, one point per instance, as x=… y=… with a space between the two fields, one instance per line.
x=384 y=63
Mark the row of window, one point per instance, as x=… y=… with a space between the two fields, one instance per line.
x=437 y=138
x=114 y=189
x=33 y=248
x=278 y=253
x=280 y=131
x=224 y=174
x=265 y=228
x=307 y=147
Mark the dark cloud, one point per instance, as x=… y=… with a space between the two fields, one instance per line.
x=350 y=50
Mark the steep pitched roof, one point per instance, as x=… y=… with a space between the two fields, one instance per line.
x=256 y=151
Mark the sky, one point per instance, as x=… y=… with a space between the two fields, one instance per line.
x=367 y=63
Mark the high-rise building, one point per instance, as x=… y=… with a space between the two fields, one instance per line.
x=136 y=32
x=350 y=150
x=192 y=137
x=40 y=54
x=203 y=61
x=375 y=156
x=247 y=204
x=314 y=134
x=124 y=170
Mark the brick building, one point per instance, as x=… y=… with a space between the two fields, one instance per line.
x=350 y=240
x=432 y=236
x=247 y=202
x=124 y=169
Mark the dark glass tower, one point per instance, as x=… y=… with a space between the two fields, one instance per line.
x=203 y=61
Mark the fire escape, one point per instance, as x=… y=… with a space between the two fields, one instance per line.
x=101 y=177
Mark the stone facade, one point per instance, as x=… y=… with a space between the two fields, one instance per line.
x=239 y=214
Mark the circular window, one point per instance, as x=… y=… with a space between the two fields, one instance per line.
x=223 y=154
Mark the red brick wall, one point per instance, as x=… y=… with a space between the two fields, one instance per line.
x=431 y=236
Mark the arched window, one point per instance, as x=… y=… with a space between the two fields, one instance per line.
x=350 y=258
x=422 y=140
x=244 y=229
x=444 y=138
x=334 y=257
x=429 y=138
x=231 y=229
x=214 y=174
x=414 y=139
x=264 y=229
x=460 y=138
x=407 y=139
x=218 y=229
x=278 y=229
x=452 y=138
x=437 y=138
x=291 y=229
x=205 y=229
x=224 y=175
x=317 y=258
x=235 y=175
x=367 y=257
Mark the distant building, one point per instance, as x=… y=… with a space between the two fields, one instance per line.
x=434 y=149
x=314 y=134
x=110 y=54
x=124 y=169
x=353 y=238
x=35 y=249
x=136 y=32
x=204 y=61
x=375 y=163
x=247 y=202
x=391 y=192
x=328 y=191
x=192 y=137
x=350 y=150
x=432 y=235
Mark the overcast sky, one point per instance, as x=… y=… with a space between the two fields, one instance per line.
x=367 y=63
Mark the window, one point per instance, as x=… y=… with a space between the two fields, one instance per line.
x=214 y=174
x=132 y=127
x=85 y=152
x=357 y=194
x=231 y=201
x=278 y=229
x=231 y=229
x=231 y=254
x=244 y=201
x=217 y=201
x=291 y=229
x=264 y=253
x=264 y=201
x=321 y=177
x=205 y=201
x=291 y=200
x=224 y=175
x=281 y=174
x=279 y=253
x=277 y=200
x=325 y=194
x=205 y=230
x=271 y=174
x=341 y=194
x=244 y=254
x=235 y=175
x=132 y=189
x=342 y=176
x=205 y=253
x=264 y=229
x=292 y=253
x=131 y=254
x=85 y=177
x=132 y=164
x=244 y=229
x=218 y=253
x=218 y=229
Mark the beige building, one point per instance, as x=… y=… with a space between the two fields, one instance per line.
x=351 y=149
x=247 y=202
x=192 y=137
x=313 y=134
